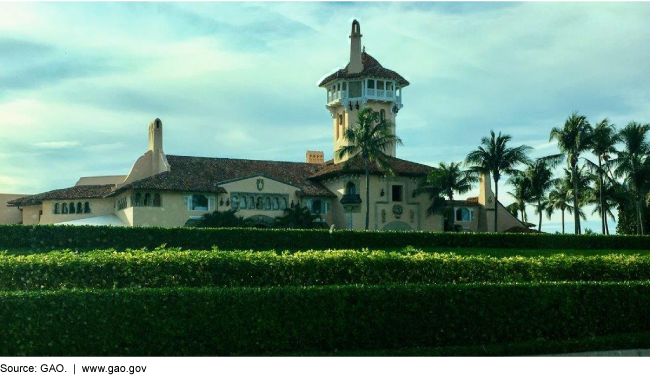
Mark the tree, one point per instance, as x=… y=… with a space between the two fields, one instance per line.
x=560 y=199
x=227 y=218
x=573 y=139
x=540 y=177
x=604 y=197
x=496 y=158
x=521 y=192
x=603 y=145
x=370 y=138
x=299 y=217
x=633 y=165
x=450 y=178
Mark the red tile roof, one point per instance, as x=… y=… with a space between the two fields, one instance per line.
x=72 y=193
x=355 y=165
x=371 y=68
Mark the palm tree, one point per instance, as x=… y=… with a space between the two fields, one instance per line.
x=573 y=139
x=560 y=199
x=514 y=209
x=521 y=192
x=299 y=217
x=496 y=158
x=540 y=175
x=371 y=138
x=603 y=144
x=604 y=197
x=634 y=165
x=450 y=178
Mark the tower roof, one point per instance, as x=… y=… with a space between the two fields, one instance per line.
x=371 y=68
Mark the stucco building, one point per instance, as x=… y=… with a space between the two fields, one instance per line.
x=170 y=190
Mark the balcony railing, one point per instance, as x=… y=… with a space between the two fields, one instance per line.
x=340 y=96
x=351 y=199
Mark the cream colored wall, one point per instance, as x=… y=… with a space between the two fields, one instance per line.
x=31 y=214
x=10 y=214
x=271 y=186
x=100 y=180
x=505 y=219
x=98 y=207
x=471 y=225
x=418 y=220
x=126 y=216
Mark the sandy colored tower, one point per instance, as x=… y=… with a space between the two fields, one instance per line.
x=362 y=83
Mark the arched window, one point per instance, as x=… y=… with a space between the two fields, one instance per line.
x=138 y=199
x=251 y=202
x=80 y=208
x=72 y=208
x=87 y=207
x=260 y=205
x=267 y=203
x=242 y=203
x=57 y=208
x=199 y=202
x=350 y=188
x=156 y=200
x=283 y=204
x=382 y=114
x=235 y=202
x=147 y=199
x=64 y=208
x=276 y=204
x=464 y=215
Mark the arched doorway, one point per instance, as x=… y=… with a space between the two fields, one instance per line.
x=397 y=226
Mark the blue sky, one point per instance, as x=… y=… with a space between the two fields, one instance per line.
x=80 y=81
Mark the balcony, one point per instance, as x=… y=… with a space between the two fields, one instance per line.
x=351 y=199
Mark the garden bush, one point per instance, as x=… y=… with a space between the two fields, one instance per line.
x=277 y=320
x=170 y=268
x=88 y=237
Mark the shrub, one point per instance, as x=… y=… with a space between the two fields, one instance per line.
x=86 y=237
x=109 y=269
x=225 y=321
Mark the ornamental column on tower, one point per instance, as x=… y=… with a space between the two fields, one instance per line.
x=362 y=83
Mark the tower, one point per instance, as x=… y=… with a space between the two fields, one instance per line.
x=362 y=83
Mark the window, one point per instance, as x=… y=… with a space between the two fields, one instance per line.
x=355 y=89
x=87 y=207
x=251 y=202
x=64 y=208
x=382 y=114
x=380 y=85
x=267 y=204
x=235 y=202
x=57 y=208
x=156 y=200
x=315 y=206
x=80 y=208
x=147 y=199
x=397 y=193
x=242 y=203
x=259 y=204
x=199 y=202
x=464 y=215
x=72 y=208
x=350 y=188
x=371 y=84
x=138 y=200
x=283 y=204
x=276 y=204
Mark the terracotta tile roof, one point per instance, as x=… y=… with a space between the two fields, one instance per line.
x=72 y=193
x=199 y=174
x=467 y=202
x=356 y=166
x=371 y=68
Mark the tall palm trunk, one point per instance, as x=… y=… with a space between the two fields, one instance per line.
x=496 y=199
x=453 y=214
x=600 y=198
x=576 y=212
x=639 y=213
x=539 y=209
x=563 y=221
x=367 y=163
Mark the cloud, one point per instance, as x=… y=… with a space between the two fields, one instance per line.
x=56 y=144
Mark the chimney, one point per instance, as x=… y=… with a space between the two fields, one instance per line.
x=316 y=157
x=485 y=194
x=155 y=135
x=355 y=66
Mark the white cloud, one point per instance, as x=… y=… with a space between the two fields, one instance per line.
x=56 y=144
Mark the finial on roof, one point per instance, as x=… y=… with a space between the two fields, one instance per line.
x=364 y=49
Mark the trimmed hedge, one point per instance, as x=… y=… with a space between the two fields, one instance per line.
x=173 y=268
x=225 y=321
x=89 y=237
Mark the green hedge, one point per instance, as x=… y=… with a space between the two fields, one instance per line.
x=223 y=321
x=83 y=237
x=171 y=268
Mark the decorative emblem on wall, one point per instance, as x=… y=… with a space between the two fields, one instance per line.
x=398 y=210
x=260 y=184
